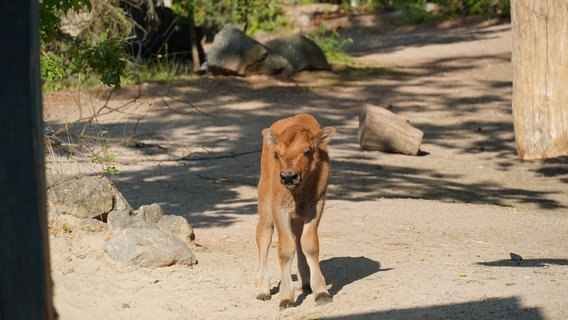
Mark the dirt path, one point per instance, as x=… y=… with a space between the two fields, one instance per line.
x=402 y=237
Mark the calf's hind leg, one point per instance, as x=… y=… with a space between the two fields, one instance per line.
x=310 y=247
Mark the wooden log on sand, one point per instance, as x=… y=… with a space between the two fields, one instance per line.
x=382 y=130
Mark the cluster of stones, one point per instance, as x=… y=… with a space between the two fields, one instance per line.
x=235 y=53
x=145 y=237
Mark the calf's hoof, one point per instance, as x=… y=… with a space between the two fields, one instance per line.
x=286 y=304
x=263 y=296
x=323 y=298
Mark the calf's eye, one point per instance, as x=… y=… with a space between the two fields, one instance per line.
x=276 y=155
x=308 y=153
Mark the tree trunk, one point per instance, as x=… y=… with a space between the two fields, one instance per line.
x=193 y=36
x=540 y=74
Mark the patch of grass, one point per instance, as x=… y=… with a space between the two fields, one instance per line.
x=163 y=71
x=332 y=45
x=415 y=11
x=71 y=82
x=105 y=159
x=66 y=149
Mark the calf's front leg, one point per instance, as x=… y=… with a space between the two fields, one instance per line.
x=264 y=231
x=286 y=251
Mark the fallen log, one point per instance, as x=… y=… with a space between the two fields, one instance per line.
x=382 y=130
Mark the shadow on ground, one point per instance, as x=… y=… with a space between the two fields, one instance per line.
x=342 y=271
x=206 y=185
x=490 y=309
x=525 y=263
x=418 y=37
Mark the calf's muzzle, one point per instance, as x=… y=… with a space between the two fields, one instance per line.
x=289 y=179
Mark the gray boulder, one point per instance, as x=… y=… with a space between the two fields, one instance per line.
x=178 y=227
x=235 y=53
x=149 y=248
x=152 y=212
x=150 y=239
x=85 y=196
x=301 y=52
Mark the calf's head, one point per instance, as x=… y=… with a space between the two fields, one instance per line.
x=296 y=152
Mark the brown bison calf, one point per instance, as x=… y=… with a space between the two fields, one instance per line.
x=291 y=194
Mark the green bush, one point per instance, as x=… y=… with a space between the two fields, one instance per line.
x=64 y=57
x=447 y=9
x=249 y=15
x=332 y=45
x=104 y=56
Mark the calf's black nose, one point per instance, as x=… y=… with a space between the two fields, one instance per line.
x=289 y=179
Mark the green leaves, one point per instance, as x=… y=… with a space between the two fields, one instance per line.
x=51 y=67
x=63 y=56
x=105 y=57
x=249 y=15
x=332 y=44
x=66 y=5
x=415 y=12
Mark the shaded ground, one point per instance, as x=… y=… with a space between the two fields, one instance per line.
x=402 y=237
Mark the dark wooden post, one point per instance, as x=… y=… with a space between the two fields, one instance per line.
x=25 y=280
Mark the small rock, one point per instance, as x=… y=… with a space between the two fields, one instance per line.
x=152 y=213
x=515 y=257
x=178 y=227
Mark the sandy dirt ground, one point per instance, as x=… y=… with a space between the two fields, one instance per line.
x=402 y=237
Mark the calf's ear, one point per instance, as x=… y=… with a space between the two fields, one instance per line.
x=269 y=136
x=326 y=134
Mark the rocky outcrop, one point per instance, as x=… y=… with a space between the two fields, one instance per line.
x=235 y=53
x=301 y=52
x=145 y=237
x=150 y=239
